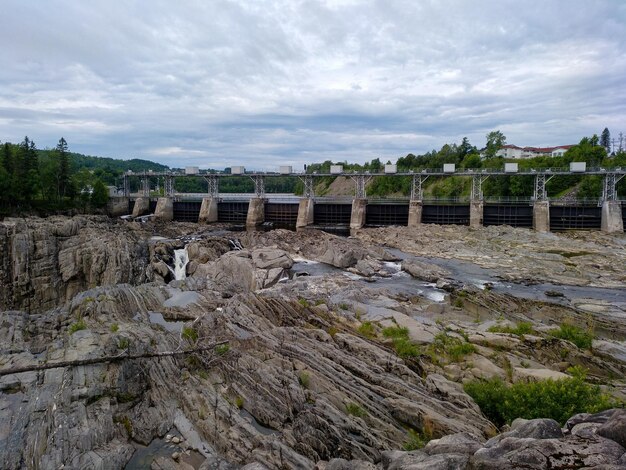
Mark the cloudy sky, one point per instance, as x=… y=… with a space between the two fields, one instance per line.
x=263 y=83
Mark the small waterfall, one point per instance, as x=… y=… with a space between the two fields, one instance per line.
x=181 y=258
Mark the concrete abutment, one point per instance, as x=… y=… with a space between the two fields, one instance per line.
x=358 y=215
x=612 y=221
x=306 y=213
x=476 y=214
x=141 y=207
x=164 y=209
x=208 y=211
x=541 y=216
x=415 y=213
x=256 y=212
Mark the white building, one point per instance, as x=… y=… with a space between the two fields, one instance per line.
x=513 y=151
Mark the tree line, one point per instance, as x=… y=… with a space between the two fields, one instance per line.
x=595 y=151
x=46 y=181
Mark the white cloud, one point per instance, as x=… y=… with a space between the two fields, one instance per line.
x=271 y=82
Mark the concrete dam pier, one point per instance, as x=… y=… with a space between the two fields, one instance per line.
x=330 y=213
x=352 y=213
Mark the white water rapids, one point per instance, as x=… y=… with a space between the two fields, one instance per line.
x=181 y=258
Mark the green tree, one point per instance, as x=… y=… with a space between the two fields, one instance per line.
x=63 y=175
x=495 y=141
x=26 y=171
x=99 y=195
x=605 y=140
x=466 y=149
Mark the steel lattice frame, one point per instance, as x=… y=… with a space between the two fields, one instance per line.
x=540 y=186
x=213 y=186
x=417 y=190
x=609 y=192
x=126 y=186
x=360 y=181
x=259 y=185
x=146 y=185
x=477 y=187
x=169 y=185
x=307 y=180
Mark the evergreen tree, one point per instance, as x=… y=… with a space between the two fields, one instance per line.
x=6 y=158
x=605 y=140
x=63 y=175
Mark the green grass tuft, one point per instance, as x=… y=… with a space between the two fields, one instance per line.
x=355 y=410
x=367 y=329
x=522 y=328
x=581 y=338
x=77 y=326
x=190 y=334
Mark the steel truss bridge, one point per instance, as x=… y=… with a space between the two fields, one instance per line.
x=542 y=175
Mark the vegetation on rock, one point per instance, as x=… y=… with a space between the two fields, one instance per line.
x=555 y=399
x=580 y=337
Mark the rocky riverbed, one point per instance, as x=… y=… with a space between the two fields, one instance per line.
x=267 y=350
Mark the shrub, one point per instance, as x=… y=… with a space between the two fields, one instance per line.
x=344 y=306
x=114 y=328
x=190 y=334
x=555 y=399
x=239 y=402
x=123 y=343
x=77 y=326
x=303 y=302
x=522 y=328
x=581 y=338
x=355 y=410
x=367 y=329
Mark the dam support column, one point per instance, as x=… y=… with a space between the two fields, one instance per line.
x=208 y=211
x=164 y=209
x=117 y=206
x=541 y=216
x=476 y=214
x=612 y=221
x=305 y=213
x=256 y=212
x=415 y=213
x=142 y=206
x=359 y=211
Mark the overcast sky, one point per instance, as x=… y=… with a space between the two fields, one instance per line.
x=263 y=83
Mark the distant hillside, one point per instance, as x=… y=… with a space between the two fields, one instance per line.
x=109 y=170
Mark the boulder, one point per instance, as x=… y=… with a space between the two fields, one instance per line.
x=460 y=443
x=615 y=427
x=529 y=429
x=270 y=258
x=419 y=460
x=521 y=374
x=529 y=453
x=342 y=464
x=425 y=271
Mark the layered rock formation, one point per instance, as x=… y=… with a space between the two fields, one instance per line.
x=260 y=367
